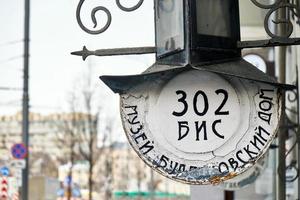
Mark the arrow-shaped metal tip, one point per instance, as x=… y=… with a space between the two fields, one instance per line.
x=84 y=53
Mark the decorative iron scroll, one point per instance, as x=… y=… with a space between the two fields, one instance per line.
x=277 y=39
x=292 y=11
x=291 y=127
x=106 y=11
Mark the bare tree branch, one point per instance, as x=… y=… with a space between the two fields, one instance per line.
x=80 y=130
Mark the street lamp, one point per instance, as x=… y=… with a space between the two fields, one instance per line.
x=196 y=34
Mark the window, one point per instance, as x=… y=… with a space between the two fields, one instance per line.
x=213 y=17
x=169 y=26
x=215 y=24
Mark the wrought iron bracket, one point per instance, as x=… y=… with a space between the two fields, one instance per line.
x=268 y=43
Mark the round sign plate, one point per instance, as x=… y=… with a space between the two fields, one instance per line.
x=19 y=151
x=4 y=171
x=199 y=127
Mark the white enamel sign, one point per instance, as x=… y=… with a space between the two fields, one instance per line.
x=199 y=127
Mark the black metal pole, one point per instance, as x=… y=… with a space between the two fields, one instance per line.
x=282 y=134
x=25 y=113
x=228 y=195
x=298 y=136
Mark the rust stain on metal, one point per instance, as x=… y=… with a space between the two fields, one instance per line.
x=216 y=180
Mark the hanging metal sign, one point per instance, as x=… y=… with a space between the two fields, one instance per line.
x=200 y=114
x=199 y=127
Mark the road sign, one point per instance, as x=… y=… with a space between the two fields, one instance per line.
x=76 y=192
x=17 y=166
x=4 y=171
x=60 y=192
x=200 y=127
x=19 y=151
x=17 y=174
x=13 y=187
x=68 y=181
x=21 y=164
x=4 y=188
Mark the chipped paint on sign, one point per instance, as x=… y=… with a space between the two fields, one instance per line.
x=199 y=127
x=247 y=178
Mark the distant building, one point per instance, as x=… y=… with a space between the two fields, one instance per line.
x=47 y=146
x=117 y=169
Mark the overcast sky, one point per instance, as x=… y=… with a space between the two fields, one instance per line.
x=54 y=33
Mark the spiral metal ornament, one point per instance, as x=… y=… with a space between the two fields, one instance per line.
x=93 y=16
x=137 y=6
x=292 y=126
x=291 y=7
x=106 y=11
x=279 y=4
x=264 y=6
x=292 y=96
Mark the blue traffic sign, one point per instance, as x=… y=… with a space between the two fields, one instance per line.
x=4 y=171
x=19 y=151
x=60 y=192
x=68 y=181
x=76 y=192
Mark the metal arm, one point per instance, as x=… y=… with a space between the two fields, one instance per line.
x=114 y=52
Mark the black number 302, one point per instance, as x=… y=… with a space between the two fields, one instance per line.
x=183 y=97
